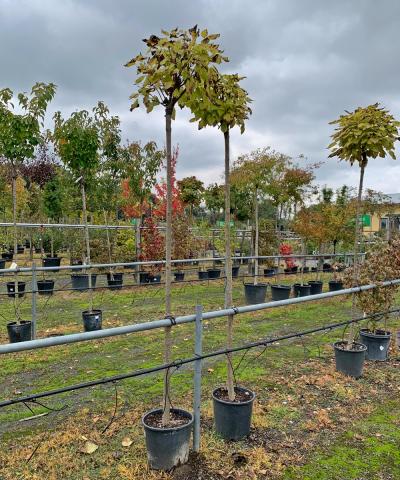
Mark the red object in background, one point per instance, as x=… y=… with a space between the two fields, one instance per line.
x=160 y=208
x=286 y=249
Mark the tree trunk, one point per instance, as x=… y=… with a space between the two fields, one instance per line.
x=168 y=270
x=352 y=328
x=256 y=239
x=14 y=199
x=228 y=267
x=108 y=242
x=86 y=229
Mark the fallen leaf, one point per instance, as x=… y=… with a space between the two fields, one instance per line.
x=89 y=447
x=126 y=442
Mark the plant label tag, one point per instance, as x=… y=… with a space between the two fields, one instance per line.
x=381 y=347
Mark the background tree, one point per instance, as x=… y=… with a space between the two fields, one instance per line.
x=19 y=135
x=255 y=173
x=214 y=200
x=191 y=191
x=173 y=70
x=77 y=141
x=368 y=132
x=224 y=104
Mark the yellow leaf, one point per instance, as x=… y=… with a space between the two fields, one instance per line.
x=89 y=447
x=126 y=442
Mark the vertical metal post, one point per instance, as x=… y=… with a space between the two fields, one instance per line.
x=34 y=293
x=137 y=248
x=198 y=349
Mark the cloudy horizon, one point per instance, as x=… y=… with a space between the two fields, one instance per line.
x=305 y=63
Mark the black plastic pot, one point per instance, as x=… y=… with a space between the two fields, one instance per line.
x=280 y=292
x=2 y=264
x=144 y=277
x=154 y=278
x=335 y=285
x=202 y=275
x=20 y=249
x=45 y=287
x=92 y=320
x=233 y=419
x=235 y=271
x=269 y=272
x=76 y=262
x=306 y=269
x=327 y=267
x=350 y=362
x=115 y=280
x=20 y=288
x=377 y=344
x=80 y=281
x=168 y=447
x=294 y=269
x=27 y=244
x=19 y=332
x=315 y=287
x=255 y=293
x=179 y=276
x=301 y=290
x=213 y=273
x=314 y=269
x=8 y=256
x=51 y=262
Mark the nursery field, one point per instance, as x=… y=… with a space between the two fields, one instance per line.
x=309 y=421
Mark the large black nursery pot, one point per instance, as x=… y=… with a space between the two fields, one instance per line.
x=155 y=278
x=115 y=280
x=315 y=287
x=235 y=271
x=167 y=447
x=80 y=281
x=20 y=289
x=327 y=267
x=305 y=269
x=377 y=344
x=280 y=292
x=2 y=264
x=19 y=332
x=179 y=276
x=335 y=285
x=76 y=262
x=301 y=290
x=233 y=419
x=144 y=277
x=8 y=256
x=269 y=272
x=255 y=293
x=350 y=362
x=213 y=273
x=92 y=320
x=51 y=262
x=45 y=287
x=202 y=275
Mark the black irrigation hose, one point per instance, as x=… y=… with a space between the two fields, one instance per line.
x=179 y=363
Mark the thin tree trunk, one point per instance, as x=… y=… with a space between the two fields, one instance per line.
x=14 y=198
x=108 y=242
x=352 y=328
x=86 y=229
x=228 y=268
x=168 y=269
x=256 y=239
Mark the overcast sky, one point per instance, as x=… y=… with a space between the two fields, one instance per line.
x=305 y=62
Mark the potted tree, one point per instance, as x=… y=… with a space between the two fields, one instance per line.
x=78 y=143
x=174 y=69
x=368 y=132
x=19 y=136
x=380 y=266
x=225 y=104
x=256 y=173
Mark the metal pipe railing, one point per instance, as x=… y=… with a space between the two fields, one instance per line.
x=177 y=261
x=167 y=322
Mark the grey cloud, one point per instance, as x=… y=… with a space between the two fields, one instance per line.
x=305 y=63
